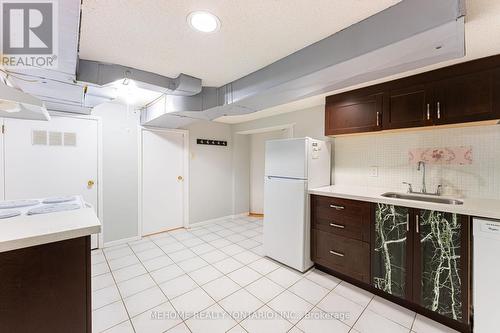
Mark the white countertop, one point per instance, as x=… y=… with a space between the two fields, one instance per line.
x=487 y=208
x=25 y=231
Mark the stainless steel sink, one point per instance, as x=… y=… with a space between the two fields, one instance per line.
x=407 y=196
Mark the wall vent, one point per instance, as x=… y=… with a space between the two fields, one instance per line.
x=39 y=138
x=70 y=139
x=55 y=139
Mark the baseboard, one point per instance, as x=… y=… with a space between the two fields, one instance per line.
x=218 y=219
x=121 y=241
x=246 y=214
x=255 y=215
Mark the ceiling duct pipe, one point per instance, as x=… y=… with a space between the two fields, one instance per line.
x=406 y=36
x=103 y=74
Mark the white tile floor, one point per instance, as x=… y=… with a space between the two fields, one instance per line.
x=213 y=278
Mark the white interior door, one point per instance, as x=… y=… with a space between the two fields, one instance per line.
x=162 y=180
x=54 y=158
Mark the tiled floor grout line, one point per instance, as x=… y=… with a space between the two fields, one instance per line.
x=121 y=298
x=208 y=264
x=413 y=322
x=212 y=265
x=127 y=245
x=316 y=305
x=223 y=275
x=187 y=273
x=161 y=290
x=364 y=309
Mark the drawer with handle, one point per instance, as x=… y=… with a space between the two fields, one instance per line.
x=346 y=218
x=344 y=255
x=332 y=207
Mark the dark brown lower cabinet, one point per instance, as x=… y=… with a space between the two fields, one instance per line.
x=441 y=265
x=46 y=288
x=422 y=257
x=391 y=251
x=348 y=256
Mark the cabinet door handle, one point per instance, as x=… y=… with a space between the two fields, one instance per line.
x=408 y=222
x=338 y=254
x=339 y=226
x=378 y=118
x=428 y=111
x=337 y=207
x=416 y=224
x=439 y=110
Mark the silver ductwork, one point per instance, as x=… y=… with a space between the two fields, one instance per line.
x=409 y=35
x=78 y=85
x=103 y=74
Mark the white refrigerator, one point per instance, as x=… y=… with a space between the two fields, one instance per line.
x=292 y=166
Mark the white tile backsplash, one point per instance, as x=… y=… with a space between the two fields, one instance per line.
x=355 y=155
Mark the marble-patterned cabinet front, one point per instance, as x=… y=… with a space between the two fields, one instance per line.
x=442 y=266
x=390 y=268
x=422 y=256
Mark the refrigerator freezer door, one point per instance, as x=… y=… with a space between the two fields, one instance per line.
x=286 y=227
x=318 y=163
x=286 y=158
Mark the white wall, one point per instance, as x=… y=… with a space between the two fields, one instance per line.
x=241 y=174
x=211 y=172
x=120 y=170
x=307 y=122
x=257 y=159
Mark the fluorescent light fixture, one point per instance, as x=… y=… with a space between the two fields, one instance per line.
x=126 y=90
x=9 y=106
x=15 y=103
x=203 y=21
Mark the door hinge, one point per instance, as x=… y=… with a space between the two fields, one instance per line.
x=3 y=129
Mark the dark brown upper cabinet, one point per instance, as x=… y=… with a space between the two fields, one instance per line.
x=408 y=107
x=354 y=114
x=464 y=98
x=467 y=92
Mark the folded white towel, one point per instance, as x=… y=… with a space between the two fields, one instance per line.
x=9 y=213
x=55 y=200
x=18 y=203
x=53 y=208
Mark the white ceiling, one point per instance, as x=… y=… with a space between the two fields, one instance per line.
x=153 y=35
x=482 y=29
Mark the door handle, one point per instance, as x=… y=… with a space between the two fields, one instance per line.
x=337 y=207
x=416 y=224
x=439 y=110
x=428 y=111
x=408 y=222
x=90 y=183
x=378 y=118
x=180 y=178
x=339 y=226
x=338 y=254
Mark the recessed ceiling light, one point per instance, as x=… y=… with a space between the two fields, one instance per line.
x=203 y=21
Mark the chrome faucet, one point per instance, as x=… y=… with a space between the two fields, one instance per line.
x=421 y=165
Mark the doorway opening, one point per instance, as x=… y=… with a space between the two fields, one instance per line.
x=257 y=144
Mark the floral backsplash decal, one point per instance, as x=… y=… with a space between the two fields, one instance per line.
x=447 y=155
